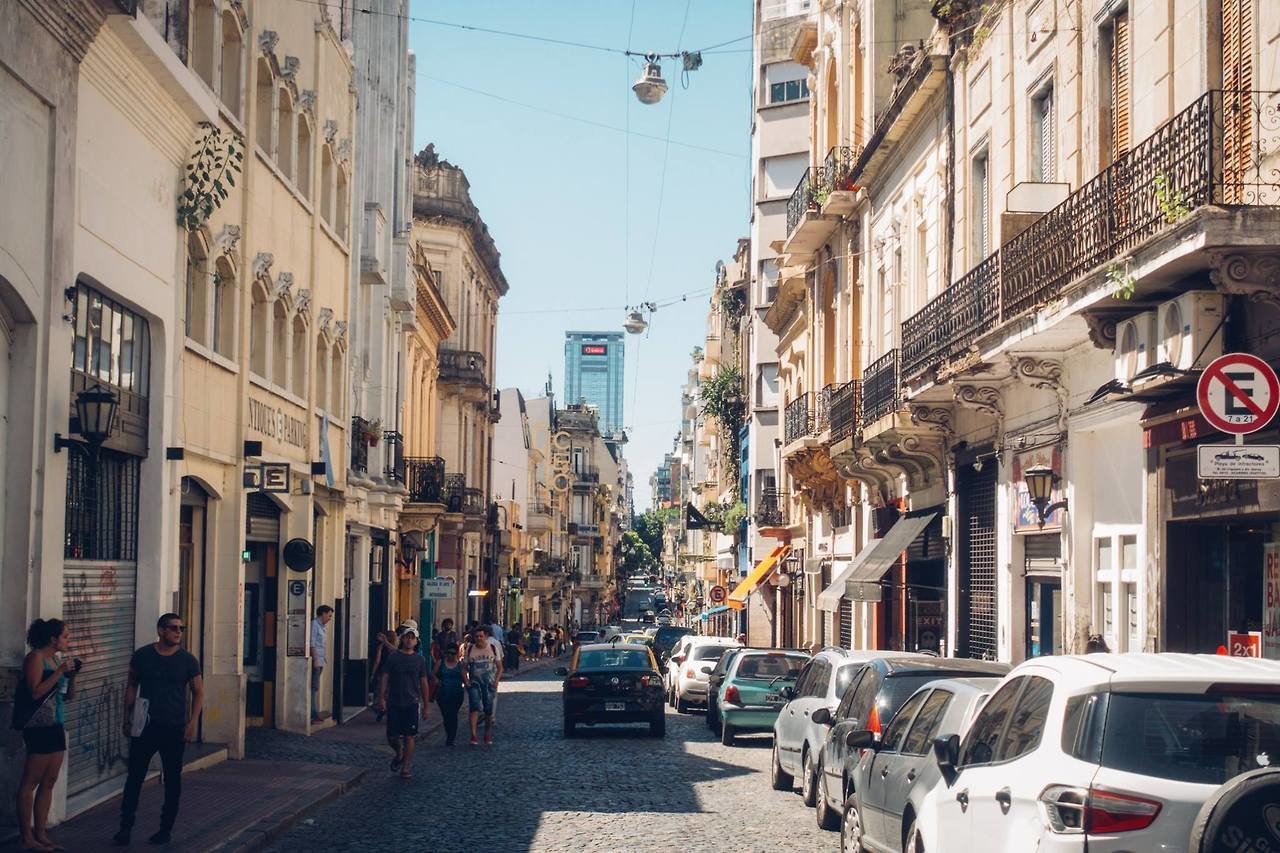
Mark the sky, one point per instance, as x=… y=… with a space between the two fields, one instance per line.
x=579 y=241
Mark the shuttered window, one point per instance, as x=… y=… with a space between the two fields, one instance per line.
x=1121 y=84
x=981 y=207
x=1237 y=81
x=1043 y=156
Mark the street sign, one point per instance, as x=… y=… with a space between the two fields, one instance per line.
x=267 y=477
x=437 y=589
x=1238 y=461
x=1244 y=644
x=1238 y=393
x=717 y=594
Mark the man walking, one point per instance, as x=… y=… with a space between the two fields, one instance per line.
x=402 y=693
x=324 y=615
x=161 y=673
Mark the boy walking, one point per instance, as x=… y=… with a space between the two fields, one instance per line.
x=402 y=693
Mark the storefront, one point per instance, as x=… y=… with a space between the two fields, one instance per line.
x=977 y=614
x=261 y=607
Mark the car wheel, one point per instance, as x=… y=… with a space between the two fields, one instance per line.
x=726 y=734
x=915 y=844
x=779 y=779
x=682 y=707
x=823 y=812
x=658 y=726
x=851 y=827
x=570 y=728
x=808 y=784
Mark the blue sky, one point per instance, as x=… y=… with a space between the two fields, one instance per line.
x=553 y=192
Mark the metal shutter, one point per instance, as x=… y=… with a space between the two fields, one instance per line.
x=978 y=612
x=846 y=623
x=1120 y=84
x=262 y=519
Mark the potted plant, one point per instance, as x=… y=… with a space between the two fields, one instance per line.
x=372 y=432
x=819 y=197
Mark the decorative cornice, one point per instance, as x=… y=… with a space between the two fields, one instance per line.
x=938 y=417
x=284 y=283
x=330 y=130
x=262 y=265
x=981 y=398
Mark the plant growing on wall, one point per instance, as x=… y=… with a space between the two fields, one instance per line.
x=722 y=395
x=734 y=516
x=1123 y=284
x=733 y=302
x=218 y=158
x=1169 y=200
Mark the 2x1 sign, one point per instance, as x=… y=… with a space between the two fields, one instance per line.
x=1238 y=462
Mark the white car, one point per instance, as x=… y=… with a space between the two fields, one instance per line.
x=692 y=675
x=1104 y=753
x=679 y=655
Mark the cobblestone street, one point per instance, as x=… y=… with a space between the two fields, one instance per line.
x=607 y=789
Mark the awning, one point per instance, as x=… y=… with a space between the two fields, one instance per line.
x=889 y=549
x=829 y=598
x=738 y=598
x=713 y=611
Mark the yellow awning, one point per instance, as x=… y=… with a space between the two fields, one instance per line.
x=738 y=598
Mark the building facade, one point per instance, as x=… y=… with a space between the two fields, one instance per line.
x=594 y=372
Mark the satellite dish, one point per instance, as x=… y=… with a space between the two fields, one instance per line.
x=299 y=555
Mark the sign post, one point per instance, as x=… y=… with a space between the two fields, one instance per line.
x=1238 y=394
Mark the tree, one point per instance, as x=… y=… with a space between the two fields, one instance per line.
x=650 y=526
x=637 y=558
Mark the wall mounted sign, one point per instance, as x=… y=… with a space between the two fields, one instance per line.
x=296 y=643
x=1238 y=461
x=1238 y=393
x=437 y=589
x=272 y=421
x=267 y=477
x=595 y=349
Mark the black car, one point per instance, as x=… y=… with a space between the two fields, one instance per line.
x=613 y=683
x=665 y=640
x=874 y=695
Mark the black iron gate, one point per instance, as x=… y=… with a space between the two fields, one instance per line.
x=978 y=623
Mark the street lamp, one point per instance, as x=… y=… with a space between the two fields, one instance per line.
x=96 y=413
x=650 y=87
x=1040 y=481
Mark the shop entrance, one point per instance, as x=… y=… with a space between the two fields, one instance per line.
x=1214 y=583
x=259 y=608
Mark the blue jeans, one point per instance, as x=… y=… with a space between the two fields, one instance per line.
x=483 y=687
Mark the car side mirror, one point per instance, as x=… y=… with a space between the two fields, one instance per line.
x=861 y=739
x=822 y=716
x=787 y=693
x=678 y=658
x=946 y=751
x=705 y=669
x=562 y=671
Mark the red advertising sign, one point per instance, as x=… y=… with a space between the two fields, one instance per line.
x=595 y=349
x=1238 y=393
x=1244 y=644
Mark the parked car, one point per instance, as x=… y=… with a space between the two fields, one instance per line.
x=1100 y=752
x=665 y=637
x=888 y=782
x=689 y=679
x=714 y=680
x=583 y=637
x=751 y=694
x=612 y=683
x=796 y=738
x=875 y=695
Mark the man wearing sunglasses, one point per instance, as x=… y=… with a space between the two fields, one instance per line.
x=162 y=673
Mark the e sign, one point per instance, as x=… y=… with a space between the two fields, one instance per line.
x=1238 y=393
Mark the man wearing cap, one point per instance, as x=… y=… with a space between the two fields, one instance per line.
x=402 y=693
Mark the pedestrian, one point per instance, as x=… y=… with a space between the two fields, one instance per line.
x=402 y=693
x=1096 y=644
x=514 y=647
x=447 y=635
x=449 y=693
x=550 y=641
x=495 y=631
x=161 y=673
x=48 y=680
x=324 y=615
x=481 y=675
x=535 y=641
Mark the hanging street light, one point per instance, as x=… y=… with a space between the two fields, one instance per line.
x=650 y=87
x=1040 y=481
x=95 y=413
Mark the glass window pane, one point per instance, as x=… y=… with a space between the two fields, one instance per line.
x=144 y=361
x=1131 y=601
x=1129 y=553
x=925 y=727
x=95 y=335
x=80 y=350
x=1108 y=615
x=127 y=366
x=1028 y=721
x=1106 y=562
x=117 y=334
x=897 y=730
x=980 y=743
x=777 y=92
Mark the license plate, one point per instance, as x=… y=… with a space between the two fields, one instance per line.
x=615 y=706
x=772 y=698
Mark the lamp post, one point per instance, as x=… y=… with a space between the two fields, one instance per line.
x=1040 y=481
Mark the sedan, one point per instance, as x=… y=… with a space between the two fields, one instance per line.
x=613 y=683
x=751 y=694
x=894 y=774
x=714 y=680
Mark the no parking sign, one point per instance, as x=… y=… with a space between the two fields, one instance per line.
x=1238 y=393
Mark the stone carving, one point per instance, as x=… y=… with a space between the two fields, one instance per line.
x=284 y=282
x=302 y=301
x=262 y=265
x=344 y=150
x=903 y=61
x=323 y=318
x=307 y=101
x=267 y=41
x=1254 y=276
x=289 y=71
x=330 y=130
x=340 y=330
x=982 y=398
x=938 y=417
x=1045 y=374
x=236 y=7
x=227 y=240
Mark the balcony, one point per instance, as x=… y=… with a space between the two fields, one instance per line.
x=395 y=459
x=360 y=430
x=455 y=486
x=463 y=367
x=586 y=479
x=473 y=502
x=880 y=395
x=845 y=407
x=1220 y=151
x=771 y=511
x=373 y=259
x=824 y=194
x=798 y=419
x=424 y=478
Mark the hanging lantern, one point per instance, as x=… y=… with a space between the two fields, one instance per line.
x=650 y=87
x=635 y=323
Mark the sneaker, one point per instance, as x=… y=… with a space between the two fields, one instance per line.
x=488 y=738
x=474 y=741
x=161 y=837
x=121 y=838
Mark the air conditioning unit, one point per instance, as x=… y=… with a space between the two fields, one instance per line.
x=1189 y=329
x=1135 y=345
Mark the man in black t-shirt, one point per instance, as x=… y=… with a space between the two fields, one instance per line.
x=402 y=691
x=162 y=673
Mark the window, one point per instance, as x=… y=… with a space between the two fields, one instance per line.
x=203 y=47
x=768 y=281
x=259 y=331
x=1028 y=720
x=781 y=174
x=884 y=293
x=322 y=374
x=303 y=178
x=264 y=106
x=771 y=9
x=1117 y=587
x=896 y=733
x=223 y=336
x=1043 y=142
x=864 y=697
x=820 y=679
x=280 y=345
x=197 y=290
x=791 y=90
x=1116 y=87
x=927 y=722
x=343 y=201
x=980 y=194
x=337 y=392
x=786 y=81
x=984 y=735
x=844 y=709
x=284 y=133
x=232 y=63
x=326 y=184
x=299 y=356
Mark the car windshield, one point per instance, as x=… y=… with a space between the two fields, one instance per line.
x=613 y=659
x=586 y=636
x=898 y=688
x=769 y=667
x=1204 y=739
x=708 y=652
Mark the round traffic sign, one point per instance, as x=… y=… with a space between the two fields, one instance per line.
x=1238 y=393
x=716 y=594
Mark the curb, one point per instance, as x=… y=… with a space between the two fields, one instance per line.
x=258 y=836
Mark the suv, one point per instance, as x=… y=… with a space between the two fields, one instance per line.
x=1101 y=752
x=796 y=738
x=691 y=672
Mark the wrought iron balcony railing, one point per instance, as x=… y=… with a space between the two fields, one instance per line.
x=394 y=456
x=1224 y=149
x=846 y=409
x=771 y=508
x=463 y=367
x=880 y=388
x=454 y=487
x=818 y=182
x=798 y=418
x=803 y=197
x=589 y=475
x=822 y=408
x=473 y=501
x=424 y=478
x=360 y=429
x=838 y=168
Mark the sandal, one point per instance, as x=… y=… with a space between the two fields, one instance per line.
x=395 y=763
x=405 y=774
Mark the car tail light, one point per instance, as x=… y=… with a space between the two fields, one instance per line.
x=578 y=681
x=731 y=694
x=649 y=680
x=1070 y=811
x=688 y=673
